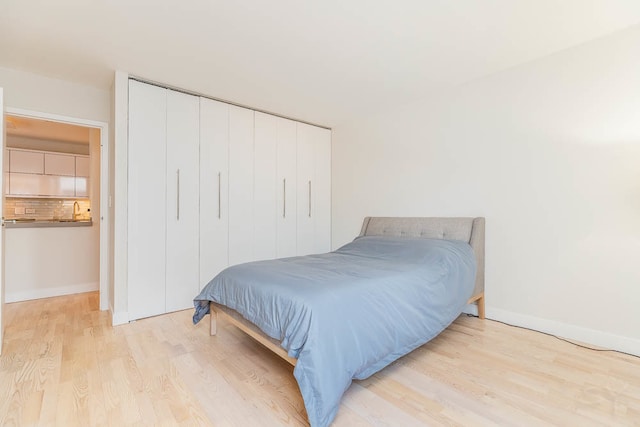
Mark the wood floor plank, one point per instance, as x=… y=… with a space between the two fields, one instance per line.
x=64 y=364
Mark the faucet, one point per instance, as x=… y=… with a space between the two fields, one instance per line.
x=76 y=210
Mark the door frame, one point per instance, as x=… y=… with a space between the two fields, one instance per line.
x=104 y=186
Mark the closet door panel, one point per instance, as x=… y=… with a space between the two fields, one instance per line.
x=265 y=193
x=240 y=185
x=286 y=187
x=214 y=185
x=146 y=200
x=182 y=202
x=322 y=211
x=305 y=166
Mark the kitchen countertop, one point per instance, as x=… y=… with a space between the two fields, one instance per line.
x=29 y=223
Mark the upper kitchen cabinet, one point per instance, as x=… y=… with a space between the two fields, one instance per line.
x=82 y=166
x=26 y=161
x=60 y=170
x=33 y=173
x=82 y=176
x=59 y=164
x=6 y=171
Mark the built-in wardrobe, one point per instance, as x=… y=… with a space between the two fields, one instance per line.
x=212 y=184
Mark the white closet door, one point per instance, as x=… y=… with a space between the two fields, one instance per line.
x=146 y=200
x=306 y=187
x=322 y=210
x=286 y=187
x=182 y=203
x=240 y=185
x=214 y=185
x=264 y=187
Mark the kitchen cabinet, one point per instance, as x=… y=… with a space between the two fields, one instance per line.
x=163 y=193
x=6 y=171
x=26 y=161
x=214 y=189
x=59 y=164
x=59 y=186
x=82 y=176
x=241 y=157
x=43 y=174
x=34 y=185
x=27 y=184
x=82 y=166
x=81 y=186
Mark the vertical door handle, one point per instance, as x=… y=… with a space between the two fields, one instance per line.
x=219 y=195
x=178 y=195
x=284 y=197
x=309 y=199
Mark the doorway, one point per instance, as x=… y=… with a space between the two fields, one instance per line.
x=60 y=214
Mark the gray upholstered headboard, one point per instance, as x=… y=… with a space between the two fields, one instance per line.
x=469 y=230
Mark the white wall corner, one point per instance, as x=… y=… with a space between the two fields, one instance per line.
x=564 y=330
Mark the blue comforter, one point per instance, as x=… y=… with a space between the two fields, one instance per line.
x=347 y=314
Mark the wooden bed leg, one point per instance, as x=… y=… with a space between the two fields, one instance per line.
x=481 y=307
x=213 y=314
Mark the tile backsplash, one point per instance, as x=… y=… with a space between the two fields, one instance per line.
x=45 y=209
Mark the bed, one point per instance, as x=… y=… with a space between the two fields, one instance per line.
x=347 y=314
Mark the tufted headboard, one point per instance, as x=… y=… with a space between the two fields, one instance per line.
x=469 y=230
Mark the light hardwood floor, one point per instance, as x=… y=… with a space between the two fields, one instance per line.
x=63 y=364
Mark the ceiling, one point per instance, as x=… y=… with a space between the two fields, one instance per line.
x=44 y=129
x=326 y=61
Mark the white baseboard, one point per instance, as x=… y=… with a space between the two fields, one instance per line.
x=565 y=330
x=118 y=318
x=51 y=292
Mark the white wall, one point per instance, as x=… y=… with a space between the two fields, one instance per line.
x=37 y=93
x=549 y=153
